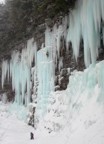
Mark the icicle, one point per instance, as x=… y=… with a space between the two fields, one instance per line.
x=97 y=14
x=65 y=26
x=48 y=37
x=102 y=9
x=60 y=63
x=100 y=75
x=59 y=35
x=103 y=36
x=5 y=69
x=30 y=52
x=74 y=32
x=92 y=33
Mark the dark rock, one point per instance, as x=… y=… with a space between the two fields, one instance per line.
x=64 y=82
x=64 y=72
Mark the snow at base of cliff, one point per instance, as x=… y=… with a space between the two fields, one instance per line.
x=74 y=116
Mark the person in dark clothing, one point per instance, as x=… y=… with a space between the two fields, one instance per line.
x=31 y=136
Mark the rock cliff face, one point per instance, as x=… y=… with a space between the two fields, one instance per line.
x=49 y=12
x=37 y=31
x=21 y=20
x=62 y=77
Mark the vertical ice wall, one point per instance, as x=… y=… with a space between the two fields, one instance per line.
x=45 y=75
x=5 y=70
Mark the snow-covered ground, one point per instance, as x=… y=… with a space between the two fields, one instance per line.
x=74 y=116
x=87 y=127
x=12 y=130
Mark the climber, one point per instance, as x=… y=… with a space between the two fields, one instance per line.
x=31 y=136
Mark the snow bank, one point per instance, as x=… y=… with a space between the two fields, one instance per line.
x=77 y=114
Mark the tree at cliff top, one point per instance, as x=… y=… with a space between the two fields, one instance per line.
x=20 y=19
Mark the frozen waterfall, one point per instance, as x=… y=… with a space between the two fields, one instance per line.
x=84 y=23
